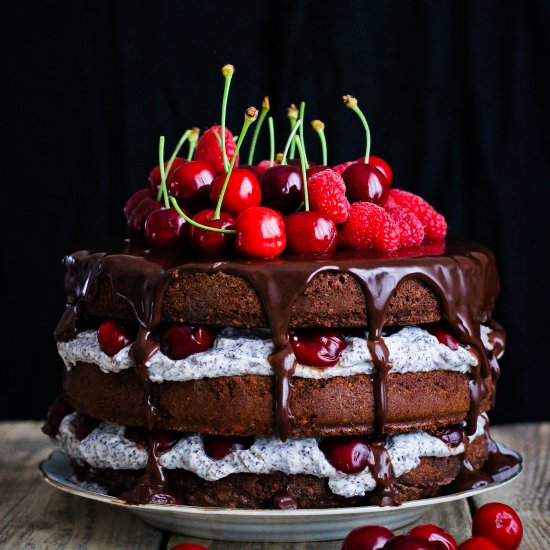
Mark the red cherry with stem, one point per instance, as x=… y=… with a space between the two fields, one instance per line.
x=317 y=347
x=478 y=543
x=365 y=183
x=347 y=454
x=440 y=539
x=180 y=341
x=443 y=335
x=260 y=233
x=218 y=238
x=310 y=233
x=219 y=446
x=135 y=199
x=500 y=524
x=382 y=165
x=165 y=228
x=282 y=188
x=188 y=546
x=138 y=216
x=114 y=335
x=57 y=411
x=242 y=191
x=190 y=184
x=84 y=425
x=408 y=542
x=369 y=537
x=297 y=164
x=154 y=175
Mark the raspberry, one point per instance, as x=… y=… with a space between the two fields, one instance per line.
x=411 y=230
x=327 y=194
x=369 y=226
x=341 y=167
x=435 y=226
x=209 y=149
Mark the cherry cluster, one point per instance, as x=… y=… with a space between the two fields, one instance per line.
x=210 y=203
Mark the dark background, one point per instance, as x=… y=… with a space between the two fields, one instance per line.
x=456 y=94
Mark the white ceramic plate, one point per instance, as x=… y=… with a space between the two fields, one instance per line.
x=257 y=525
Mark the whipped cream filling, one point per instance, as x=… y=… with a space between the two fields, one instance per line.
x=107 y=447
x=239 y=352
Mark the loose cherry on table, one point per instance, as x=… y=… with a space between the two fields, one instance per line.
x=165 y=228
x=84 y=425
x=369 y=537
x=317 y=347
x=478 y=543
x=155 y=177
x=190 y=184
x=212 y=243
x=243 y=191
x=260 y=233
x=282 y=188
x=365 y=183
x=180 y=341
x=114 y=335
x=443 y=335
x=500 y=524
x=219 y=446
x=408 y=542
x=310 y=233
x=347 y=454
x=440 y=539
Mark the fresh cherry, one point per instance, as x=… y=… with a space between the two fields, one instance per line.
x=310 y=233
x=382 y=165
x=188 y=546
x=347 y=454
x=408 y=542
x=500 y=524
x=260 y=233
x=180 y=341
x=478 y=543
x=154 y=175
x=315 y=169
x=165 y=228
x=365 y=183
x=263 y=166
x=282 y=188
x=138 y=216
x=190 y=184
x=256 y=170
x=443 y=335
x=317 y=347
x=297 y=163
x=212 y=242
x=114 y=335
x=219 y=446
x=242 y=191
x=135 y=199
x=57 y=411
x=369 y=537
x=84 y=425
x=440 y=539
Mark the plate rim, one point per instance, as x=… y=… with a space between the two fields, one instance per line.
x=68 y=486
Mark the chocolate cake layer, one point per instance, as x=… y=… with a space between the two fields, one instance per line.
x=243 y=405
x=254 y=491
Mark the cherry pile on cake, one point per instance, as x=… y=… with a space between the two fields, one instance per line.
x=279 y=335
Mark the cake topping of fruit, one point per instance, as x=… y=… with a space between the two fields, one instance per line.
x=327 y=195
x=114 y=335
x=347 y=454
x=180 y=341
x=317 y=347
x=219 y=446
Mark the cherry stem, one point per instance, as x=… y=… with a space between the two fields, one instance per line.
x=351 y=103
x=319 y=127
x=227 y=72
x=271 y=141
x=290 y=140
x=250 y=116
x=303 y=165
x=292 y=113
x=263 y=114
x=197 y=224
x=302 y=110
x=193 y=139
x=164 y=172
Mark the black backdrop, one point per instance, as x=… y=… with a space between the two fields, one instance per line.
x=455 y=93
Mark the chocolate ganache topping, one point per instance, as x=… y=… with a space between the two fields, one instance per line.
x=461 y=274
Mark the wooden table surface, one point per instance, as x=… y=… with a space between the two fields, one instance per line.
x=35 y=515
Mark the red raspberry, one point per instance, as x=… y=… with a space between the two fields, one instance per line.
x=341 y=167
x=327 y=194
x=435 y=226
x=209 y=149
x=411 y=230
x=369 y=226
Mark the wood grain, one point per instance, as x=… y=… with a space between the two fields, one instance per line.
x=33 y=515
